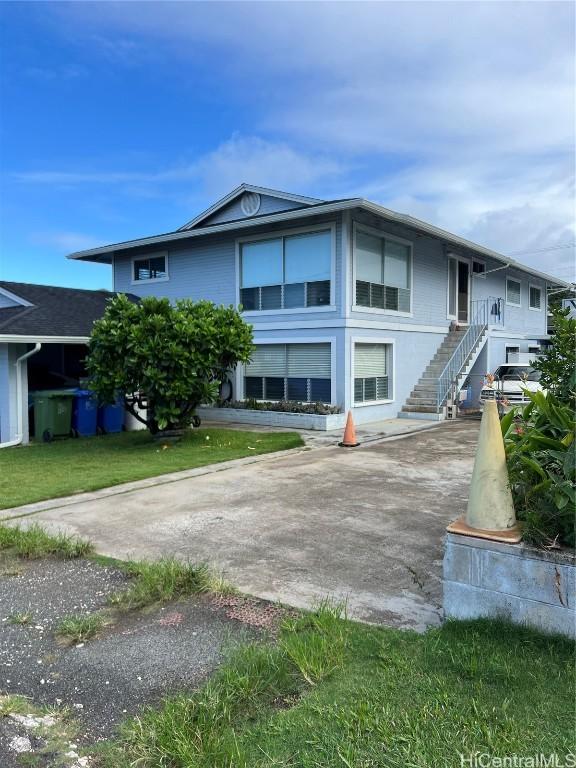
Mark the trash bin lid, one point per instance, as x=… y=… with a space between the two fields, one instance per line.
x=54 y=393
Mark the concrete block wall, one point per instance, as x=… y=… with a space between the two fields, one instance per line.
x=512 y=581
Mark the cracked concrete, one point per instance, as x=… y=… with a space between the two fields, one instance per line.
x=362 y=524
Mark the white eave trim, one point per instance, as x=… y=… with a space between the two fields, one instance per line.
x=14 y=297
x=317 y=210
x=16 y=339
x=239 y=191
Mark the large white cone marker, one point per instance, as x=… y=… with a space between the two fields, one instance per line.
x=490 y=512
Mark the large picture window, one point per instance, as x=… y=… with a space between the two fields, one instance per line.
x=372 y=364
x=286 y=272
x=383 y=272
x=299 y=372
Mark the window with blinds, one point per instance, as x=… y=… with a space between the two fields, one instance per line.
x=513 y=292
x=296 y=372
x=372 y=372
x=535 y=297
x=286 y=272
x=383 y=267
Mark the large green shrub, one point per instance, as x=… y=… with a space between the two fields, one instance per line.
x=541 y=455
x=557 y=364
x=175 y=355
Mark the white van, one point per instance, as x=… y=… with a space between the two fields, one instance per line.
x=510 y=381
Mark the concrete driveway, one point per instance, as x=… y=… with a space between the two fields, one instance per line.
x=365 y=524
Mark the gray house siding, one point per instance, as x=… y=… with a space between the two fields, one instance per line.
x=233 y=210
x=9 y=353
x=207 y=268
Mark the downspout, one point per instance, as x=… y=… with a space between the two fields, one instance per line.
x=19 y=421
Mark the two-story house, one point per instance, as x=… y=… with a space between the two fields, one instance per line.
x=351 y=304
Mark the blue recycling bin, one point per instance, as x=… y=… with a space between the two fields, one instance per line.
x=85 y=413
x=111 y=416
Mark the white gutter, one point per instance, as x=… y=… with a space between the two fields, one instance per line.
x=19 y=420
x=8 y=338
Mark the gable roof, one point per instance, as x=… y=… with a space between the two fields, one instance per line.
x=231 y=196
x=104 y=254
x=50 y=311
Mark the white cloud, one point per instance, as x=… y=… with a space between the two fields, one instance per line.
x=459 y=113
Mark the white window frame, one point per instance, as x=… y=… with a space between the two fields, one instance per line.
x=481 y=275
x=356 y=225
x=277 y=235
x=372 y=340
x=241 y=369
x=144 y=257
x=538 y=288
x=514 y=280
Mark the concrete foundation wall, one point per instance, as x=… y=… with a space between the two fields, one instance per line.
x=511 y=581
x=274 y=418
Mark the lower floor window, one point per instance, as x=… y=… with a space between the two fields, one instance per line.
x=372 y=363
x=299 y=372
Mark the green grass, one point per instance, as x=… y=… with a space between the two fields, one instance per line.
x=160 y=581
x=381 y=699
x=33 y=542
x=45 y=471
x=80 y=627
x=20 y=619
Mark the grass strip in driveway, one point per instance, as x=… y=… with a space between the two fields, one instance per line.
x=380 y=698
x=50 y=470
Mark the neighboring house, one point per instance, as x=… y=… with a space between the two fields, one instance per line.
x=43 y=336
x=351 y=303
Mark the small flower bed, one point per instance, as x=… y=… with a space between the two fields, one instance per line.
x=283 y=406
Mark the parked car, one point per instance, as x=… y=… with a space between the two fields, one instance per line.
x=508 y=385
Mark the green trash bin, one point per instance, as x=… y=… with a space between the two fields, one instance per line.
x=53 y=413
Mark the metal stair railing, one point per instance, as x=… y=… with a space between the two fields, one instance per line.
x=482 y=314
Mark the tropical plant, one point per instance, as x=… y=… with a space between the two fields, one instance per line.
x=173 y=356
x=541 y=456
x=557 y=364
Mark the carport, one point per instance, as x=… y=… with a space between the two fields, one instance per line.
x=43 y=335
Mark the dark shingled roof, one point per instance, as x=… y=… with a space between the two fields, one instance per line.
x=55 y=311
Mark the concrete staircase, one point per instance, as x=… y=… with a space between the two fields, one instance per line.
x=422 y=403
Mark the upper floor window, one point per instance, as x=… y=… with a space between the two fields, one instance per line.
x=513 y=292
x=478 y=268
x=286 y=272
x=535 y=297
x=150 y=268
x=383 y=272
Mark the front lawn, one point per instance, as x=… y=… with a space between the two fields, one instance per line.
x=332 y=694
x=48 y=470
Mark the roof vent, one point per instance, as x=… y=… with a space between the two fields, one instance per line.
x=250 y=203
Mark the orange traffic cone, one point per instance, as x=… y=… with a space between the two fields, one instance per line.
x=349 y=439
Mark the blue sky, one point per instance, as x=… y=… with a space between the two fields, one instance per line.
x=120 y=120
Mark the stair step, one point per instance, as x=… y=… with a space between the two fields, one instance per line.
x=419 y=409
x=422 y=401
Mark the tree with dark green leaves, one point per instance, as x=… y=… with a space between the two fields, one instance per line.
x=172 y=357
x=558 y=362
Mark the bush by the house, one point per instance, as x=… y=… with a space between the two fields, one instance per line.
x=541 y=455
x=284 y=406
x=557 y=364
x=175 y=355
